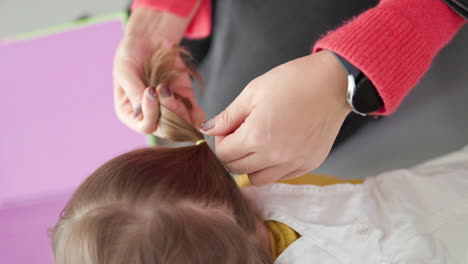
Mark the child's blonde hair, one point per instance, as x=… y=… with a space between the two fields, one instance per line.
x=160 y=205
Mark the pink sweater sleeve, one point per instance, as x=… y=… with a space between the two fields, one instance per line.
x=394 y=43
x=200 y=25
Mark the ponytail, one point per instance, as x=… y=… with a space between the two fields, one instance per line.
x=160 y=71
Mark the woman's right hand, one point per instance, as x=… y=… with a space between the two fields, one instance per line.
x=136 y=105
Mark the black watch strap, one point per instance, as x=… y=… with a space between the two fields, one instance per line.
x=362 y=96
x=350 y=68
x=459 y=6
x=366 y=99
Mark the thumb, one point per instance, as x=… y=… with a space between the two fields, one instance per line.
x=227 y=121
x=133 y=87
x=173 y=102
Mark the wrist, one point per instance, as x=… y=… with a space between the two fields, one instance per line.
x=156 y=26
x=337 y=78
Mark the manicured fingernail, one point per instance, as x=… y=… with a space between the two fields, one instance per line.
x=136 y=111
x=207 y=125
x=165 y=91
x=152 y=94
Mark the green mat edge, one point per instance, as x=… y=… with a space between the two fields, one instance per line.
x=73 y=25
x=152 y=140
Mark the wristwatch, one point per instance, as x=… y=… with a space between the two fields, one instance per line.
x=361 y=94
x=459 y=6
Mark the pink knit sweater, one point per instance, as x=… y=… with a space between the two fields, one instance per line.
x=393 y=43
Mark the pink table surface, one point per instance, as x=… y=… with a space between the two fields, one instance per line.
x=58 y=125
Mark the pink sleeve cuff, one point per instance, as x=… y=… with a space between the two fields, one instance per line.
x=200 y=25
x=394 y=44
x=176 y=7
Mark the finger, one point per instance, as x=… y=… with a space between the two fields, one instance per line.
x=170 y=101
x=295 y=174
x=150 y=111
x=230 y=119
x=218 y=140
x=183 y=87
x=130 y=81
x=250 y=163
x=234 y=146
x=123 y=109
x=196 y=114
x=249 y=137
x=269 y=175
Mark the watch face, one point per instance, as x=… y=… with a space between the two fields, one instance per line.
x=366 y=99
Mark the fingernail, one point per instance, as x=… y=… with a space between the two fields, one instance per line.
x=204 y=127
x=136 y=111
x=152 y=94
x=165 y=91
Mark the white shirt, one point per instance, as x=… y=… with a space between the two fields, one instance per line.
x=418 y=215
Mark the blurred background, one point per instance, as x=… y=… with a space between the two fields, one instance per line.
x=58 y=121
x=18 y=16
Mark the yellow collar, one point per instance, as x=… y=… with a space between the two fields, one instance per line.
x=281 y=236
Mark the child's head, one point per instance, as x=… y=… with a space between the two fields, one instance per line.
x=160 y=205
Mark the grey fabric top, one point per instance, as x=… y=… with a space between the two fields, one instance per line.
x=252 y=36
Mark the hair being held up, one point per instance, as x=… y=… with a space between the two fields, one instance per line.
x=160 y=71
x=161 y=205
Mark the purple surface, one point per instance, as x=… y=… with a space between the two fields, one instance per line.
x=58 y=125
x=23 y=230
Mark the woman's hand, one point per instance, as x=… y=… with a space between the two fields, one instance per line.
x=136 y=105
x=284 y=122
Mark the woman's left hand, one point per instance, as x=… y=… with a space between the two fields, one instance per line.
x=284 y=122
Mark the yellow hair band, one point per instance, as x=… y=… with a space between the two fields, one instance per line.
x=201 y=141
